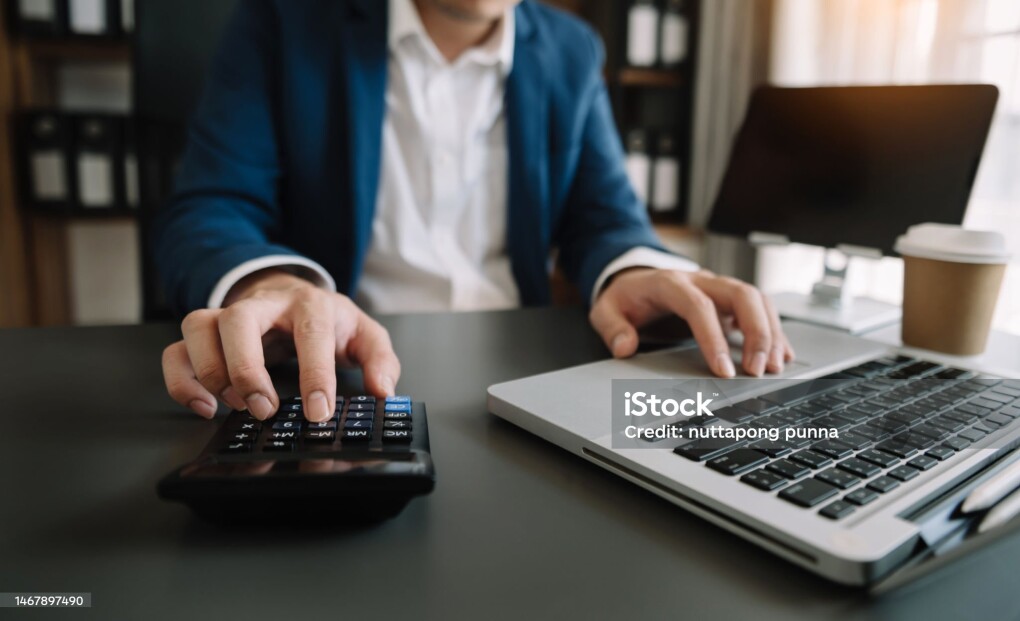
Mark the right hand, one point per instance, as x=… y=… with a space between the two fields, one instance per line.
x=224 y=352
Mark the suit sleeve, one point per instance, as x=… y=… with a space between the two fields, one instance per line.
x=603 y=217
x=224 y=210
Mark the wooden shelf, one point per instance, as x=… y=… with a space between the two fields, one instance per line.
x=108 y=50
x=655 y=78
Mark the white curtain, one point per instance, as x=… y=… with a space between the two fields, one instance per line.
x=842 y=42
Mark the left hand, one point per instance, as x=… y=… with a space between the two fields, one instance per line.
x=636 y=297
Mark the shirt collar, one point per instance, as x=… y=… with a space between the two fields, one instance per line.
x=498 y=49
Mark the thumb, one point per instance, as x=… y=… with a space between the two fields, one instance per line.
x=616 y=331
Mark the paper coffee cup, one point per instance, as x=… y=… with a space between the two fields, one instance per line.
x=951 y=283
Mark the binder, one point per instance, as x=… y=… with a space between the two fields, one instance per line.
x=39 y=17
x=93 y=17
x=639 y=164
x=127 y=16
x=97 y=156
x=131 y=185
x=47 y=179
x=673 y=39
x=642 y=33
x=666 y=175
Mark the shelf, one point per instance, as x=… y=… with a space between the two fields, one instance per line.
x=657 y=78
x=106 y=49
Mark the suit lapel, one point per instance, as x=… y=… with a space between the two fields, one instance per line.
x=364 y=44
x=527 y=109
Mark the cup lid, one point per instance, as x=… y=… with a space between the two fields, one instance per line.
x=947 y=242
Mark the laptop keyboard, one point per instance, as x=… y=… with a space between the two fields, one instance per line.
x=897 y=417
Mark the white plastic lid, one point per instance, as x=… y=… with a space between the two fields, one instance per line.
x=946 y=242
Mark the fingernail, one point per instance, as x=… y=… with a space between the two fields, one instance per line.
x=386 y=383
x=725 y=365
x=234 y=400
x=617 y=343
x=758 y=363
x=259 y=406
x=777 y=359
x=202 y=408
x=316 y=407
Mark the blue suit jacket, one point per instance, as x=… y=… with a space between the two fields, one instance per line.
x=284 y=151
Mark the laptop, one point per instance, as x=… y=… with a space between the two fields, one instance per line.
x=912 y=437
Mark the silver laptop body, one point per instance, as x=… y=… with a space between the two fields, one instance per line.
x=571 y=408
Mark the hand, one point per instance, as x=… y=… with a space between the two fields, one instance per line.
x=636 y=297
x=224 y=352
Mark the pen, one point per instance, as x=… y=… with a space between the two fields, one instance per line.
x=1001 y=513
x=993 y=490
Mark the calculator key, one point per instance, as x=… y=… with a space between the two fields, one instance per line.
x=737 y=461
x=764 y=480
x=278 y=446
x=884 y=484
x=397 y=424
x=861 y=497
x=250 y=427
x=237 y=447
x=904 y=473
x=355 y=415
x=398 y=399
x=361 y=407
x=288 y=436
x=243 y=436
x=291 y=415
x=329 y=424
x=837 y=510
x=290 y=407
x=397 y=415
x=358 y=424
x=397 y=435
x=808 y=493
x=838 y=478
x=357 y=435
x=398 y=407
x=362 y=399
x=788 y=469
x=320 y=435
x=287 y=425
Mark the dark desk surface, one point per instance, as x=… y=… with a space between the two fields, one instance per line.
x=515 y=528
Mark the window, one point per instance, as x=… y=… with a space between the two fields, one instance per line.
x=843 y=42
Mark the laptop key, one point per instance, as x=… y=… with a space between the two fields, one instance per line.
x=808 y=493
x=904 y=473
x=764 y=480
x=854 y=441
x=703 y=450
x=833 y=449
x=879 y=458
x=956 y=443
x=998 y=420
x=859 y=467
x=916 y=440
x=756 y=406
x=923 y=462
x=811 y=459
x=839 y=478
x=737 y=461
x=837 y=510
x=931 y=431
x=884 y=484
x=733 y=415
x=947 y=423
x=861 y=497
x=772 y=449
x=899 y=449
x=789 y=469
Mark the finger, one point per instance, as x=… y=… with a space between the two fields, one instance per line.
x=181 y=383
x=315 y=341
x=746 y=304
x=689 y=302
x=368 y=344
x=780 y=346
x=202 y=339
x=241 y=328
x=616 y=331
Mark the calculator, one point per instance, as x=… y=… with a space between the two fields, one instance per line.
x=363 y=465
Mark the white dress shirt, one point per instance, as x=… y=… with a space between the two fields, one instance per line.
x=439 y=234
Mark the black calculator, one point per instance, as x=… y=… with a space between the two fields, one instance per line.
x=362 y=465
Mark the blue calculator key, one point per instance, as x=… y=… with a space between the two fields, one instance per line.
x=358 y=424
x=398 y=407
x=398 y=399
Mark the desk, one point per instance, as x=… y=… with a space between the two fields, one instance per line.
x=516 y=527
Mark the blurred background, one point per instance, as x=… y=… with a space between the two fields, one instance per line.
x=95 y=96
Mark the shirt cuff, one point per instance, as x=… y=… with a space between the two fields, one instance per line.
x=642 y=257
x=299 y=266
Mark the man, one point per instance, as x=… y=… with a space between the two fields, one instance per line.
x=416 y=155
